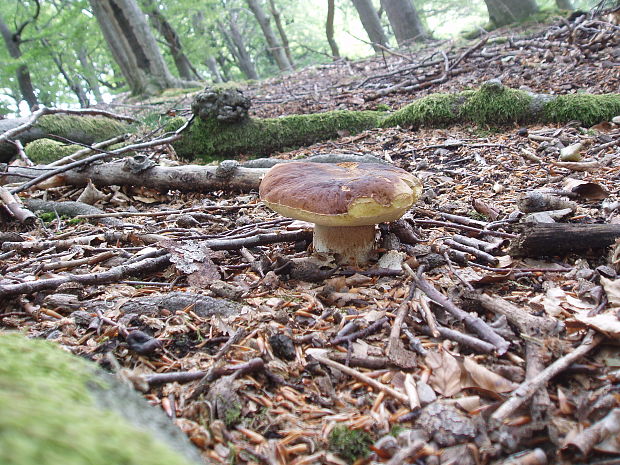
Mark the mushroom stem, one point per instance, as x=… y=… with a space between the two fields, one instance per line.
x=352 y=243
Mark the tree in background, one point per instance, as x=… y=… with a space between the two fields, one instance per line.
x=277 y=17
x=236 y=45
x=372 y=24
x=564 y=4
x=13 y=41
x=329 y=29
x=160 y=23
x=275 y=48
x=405 y=21
x=133 y=47
x=502 y=12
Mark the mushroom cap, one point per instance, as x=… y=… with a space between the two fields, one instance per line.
x=343 y=194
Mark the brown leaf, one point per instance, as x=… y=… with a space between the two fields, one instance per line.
x=446 y=376
x=484 y=378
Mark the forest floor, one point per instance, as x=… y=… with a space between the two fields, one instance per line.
x=475 y=351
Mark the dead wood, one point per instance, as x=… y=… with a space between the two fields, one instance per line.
x=472 y=322
x=187 y=178
x=70 y=208
x=16 y=209
x=28 y=129
x=529 y=387
x=559 y=239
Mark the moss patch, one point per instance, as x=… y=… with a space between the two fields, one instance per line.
x=350 y=444
x=49 y=416
x=435 y=109
x=589 y=109
x=86 y=129
x=212 y=140
x=42 y=151
x=495 y=106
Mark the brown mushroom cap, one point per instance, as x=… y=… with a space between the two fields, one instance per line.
x=344 y=194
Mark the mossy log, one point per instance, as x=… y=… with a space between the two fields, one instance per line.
x=211 y=139
x=59 y=409
x=81 y=129
x=491 y=105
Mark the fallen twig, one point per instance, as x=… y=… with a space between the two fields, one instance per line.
x=529 y=387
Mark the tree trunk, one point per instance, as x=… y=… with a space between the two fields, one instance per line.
x=276 y=50
x=329 y=30
x=564 y=4
x=90 y=75
x=502 y=12
x=133 y=47
x=213 y=69
x=372 y=24
x=278 y=19
x=159 y=21
x=13 y=42
x=237 y=47
x=405 y=21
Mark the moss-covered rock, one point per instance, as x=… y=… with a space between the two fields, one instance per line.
x=59 y=409
x=211 y=139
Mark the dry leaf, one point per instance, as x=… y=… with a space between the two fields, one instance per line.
x=612 y=289
x=446 y=375
x=484 y=378
x=587 y=190
x=606 y=323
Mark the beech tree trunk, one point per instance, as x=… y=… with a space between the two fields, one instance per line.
x=236 y=45
x=329 y=30
x=13 y=42
x=159 y=22
x=405 y=21
x=371 y=22
x=275 y=48
x=134 y=47
x=564 y=4
x=278 y=19
x=90 y=75
x=502 y=12
x=213 y=69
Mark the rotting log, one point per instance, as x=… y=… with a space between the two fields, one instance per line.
x=188 y=178
x=81 y=129
x=559 y=239
x=490 y=105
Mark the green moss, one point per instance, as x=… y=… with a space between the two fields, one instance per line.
x=232 y=415
x=86 y=129
x=349 y=444
x=589 y=109
x=495 y=105
x=212 y=139
x=42 y=151
x=49 y=416
x=435 y=109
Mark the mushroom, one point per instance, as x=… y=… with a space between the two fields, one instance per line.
x=344 y=201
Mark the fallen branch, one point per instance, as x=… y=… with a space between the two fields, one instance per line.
x=360 y=377
x=187 y=178
x=472 y=322
x=529 y=387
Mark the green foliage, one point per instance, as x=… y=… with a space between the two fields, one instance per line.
x=210 y=140
x=349 y=444
x=49 y=416
x=589 y=109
